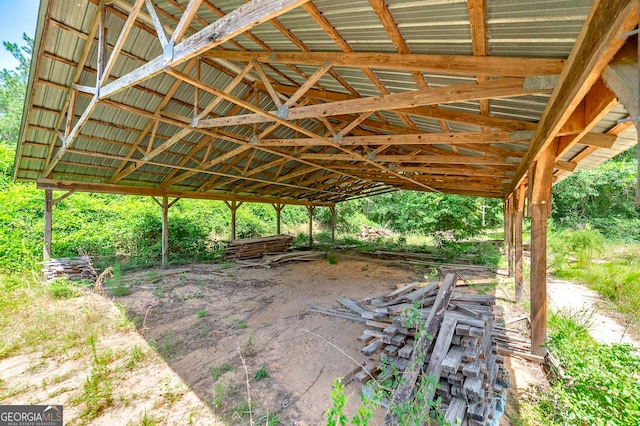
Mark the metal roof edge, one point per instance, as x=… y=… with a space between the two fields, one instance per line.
x=35 y=54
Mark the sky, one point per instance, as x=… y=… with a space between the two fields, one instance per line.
x=16 y=17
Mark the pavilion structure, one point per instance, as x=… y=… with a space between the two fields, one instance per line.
x=314 y=102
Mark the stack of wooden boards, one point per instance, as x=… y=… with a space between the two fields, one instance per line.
x=257 y=247
x=462 y=353
x=75 y=268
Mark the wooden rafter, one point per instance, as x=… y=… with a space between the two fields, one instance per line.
x=224 y=29
x=447 y=64
x=506 y=87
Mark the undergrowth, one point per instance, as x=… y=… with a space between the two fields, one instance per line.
x=616 y=277
x=601 y=383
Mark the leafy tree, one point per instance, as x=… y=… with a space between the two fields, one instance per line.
x=13 y=85
x=603 y=197
x=427 y=212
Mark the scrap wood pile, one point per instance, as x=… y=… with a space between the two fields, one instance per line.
x=270 y=260
x=462 y=353
x=371 y=233
x=436 y=261
x=74 y=268
x=248 y=248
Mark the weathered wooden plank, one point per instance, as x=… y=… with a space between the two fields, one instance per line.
x=373 y=347
x=451 y=362
x=455 y=414
x=404 y=390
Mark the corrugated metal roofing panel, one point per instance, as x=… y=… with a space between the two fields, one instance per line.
x=534 y=28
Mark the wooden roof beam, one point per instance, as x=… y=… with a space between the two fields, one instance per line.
x=437 y=113
x=445 y=64
x=423 y=159
x=224 y=29
x=501 y=88
x=406 y=139
x=61 y=185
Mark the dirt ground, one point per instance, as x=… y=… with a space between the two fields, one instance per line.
x=206 y=322
x=214 y=338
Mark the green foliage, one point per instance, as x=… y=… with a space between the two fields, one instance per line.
x=97 y=395
x=336 y=415
x=218 y=371
x=603 y=197
x=202 y=313
x=427 y=212
x=13 y=85
x=601 y=385
x=583 y=244
x=64 y=288
x=617 y=278
x=116 y=283
x=261 y=374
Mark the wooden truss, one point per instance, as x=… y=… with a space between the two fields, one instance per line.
x=234 y=123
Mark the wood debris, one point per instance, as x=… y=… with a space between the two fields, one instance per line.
x=248 y=248
x=463 y=352
x=270 y=260
x=74 y=268
x=371 y=233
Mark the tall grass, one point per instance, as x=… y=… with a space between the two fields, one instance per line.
x=616 y=275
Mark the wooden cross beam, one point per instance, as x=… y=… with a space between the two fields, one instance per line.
x=407 y=139
x=446 y=64
x=245 y=17
x=501 y=88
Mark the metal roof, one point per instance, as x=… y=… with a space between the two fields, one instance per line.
x=243 y=146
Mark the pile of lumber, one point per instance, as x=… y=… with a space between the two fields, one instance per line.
x=74 y=268
x=248 y=248
x=269 y=261
x=462 y=354
x=371 y=233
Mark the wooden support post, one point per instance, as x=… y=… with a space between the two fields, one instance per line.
x=165 y=231
x=165 y=205
x=233 y=206
x=333 y=225
x=517 y=230
x=538 y=278
x=311 y=209
x=278 y=208
x=510 y=248
x=539 y=202
x=48 y=219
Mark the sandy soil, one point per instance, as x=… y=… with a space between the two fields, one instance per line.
x=259 y=315
x=147 y=389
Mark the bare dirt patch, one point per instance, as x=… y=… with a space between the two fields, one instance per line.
x=205 y=322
